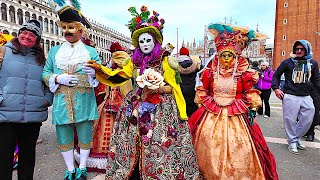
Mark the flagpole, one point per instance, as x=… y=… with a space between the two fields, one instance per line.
x=177 y=42
x=204 y=44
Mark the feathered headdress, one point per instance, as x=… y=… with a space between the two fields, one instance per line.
x=232 y=38
x=143 y=22
x=69 y=11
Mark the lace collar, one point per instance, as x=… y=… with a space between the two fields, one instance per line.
x=75 y=54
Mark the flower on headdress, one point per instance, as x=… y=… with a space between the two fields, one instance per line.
x=151 y=79
x=155 y=13
x=146 y=107
x=138 y=19
x=145 y=117
x=144 y=9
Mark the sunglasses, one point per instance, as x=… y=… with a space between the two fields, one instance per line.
x=301 y=49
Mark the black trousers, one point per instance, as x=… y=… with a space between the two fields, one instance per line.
x=265 y=96
x=26 y=135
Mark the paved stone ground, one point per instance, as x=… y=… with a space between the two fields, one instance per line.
x=306 y=165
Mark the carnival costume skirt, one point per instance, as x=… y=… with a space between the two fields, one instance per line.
x=165 y=152
x=102 y=130
x=225 y=149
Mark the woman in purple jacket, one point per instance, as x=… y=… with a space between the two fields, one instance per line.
x=264 y=85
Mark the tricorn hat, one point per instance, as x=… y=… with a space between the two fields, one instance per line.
x=69 y=11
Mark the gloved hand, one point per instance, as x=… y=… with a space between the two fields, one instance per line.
x=252 y=115
x=89 y=70
x=66 y=79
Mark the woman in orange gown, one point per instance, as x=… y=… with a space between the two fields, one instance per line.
x=228 y=142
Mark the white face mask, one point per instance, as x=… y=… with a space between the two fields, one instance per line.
x=146 y=43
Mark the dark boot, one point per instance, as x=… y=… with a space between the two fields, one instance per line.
x=81 y=174
x=70 y=175
x=310 y=137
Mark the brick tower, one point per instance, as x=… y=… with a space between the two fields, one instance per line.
x=296 y=19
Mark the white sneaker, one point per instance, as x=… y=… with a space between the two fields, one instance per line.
x=265 y=116
x=300 y=145
x=293 y=148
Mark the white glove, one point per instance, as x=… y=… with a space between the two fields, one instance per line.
x=89 y=70
x=68 y=80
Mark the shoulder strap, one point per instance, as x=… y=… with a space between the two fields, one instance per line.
x=2 y=54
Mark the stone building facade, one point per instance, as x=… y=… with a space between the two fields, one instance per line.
x=296 y=20
x=15 y=12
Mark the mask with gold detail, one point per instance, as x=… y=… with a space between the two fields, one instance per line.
x=70 y=27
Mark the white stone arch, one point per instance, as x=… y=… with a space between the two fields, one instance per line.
x=20 y=16
x=12 y=14
x=4 y=12
x=46 y=25
x=27 y=16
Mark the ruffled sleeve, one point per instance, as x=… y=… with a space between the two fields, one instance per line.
x=203 y=92
x=249 y=78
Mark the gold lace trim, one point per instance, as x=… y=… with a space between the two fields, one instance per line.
x=70 y=92
x=66 y=147
x=85 y=146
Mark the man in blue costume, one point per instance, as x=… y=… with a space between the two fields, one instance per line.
x=72 y=82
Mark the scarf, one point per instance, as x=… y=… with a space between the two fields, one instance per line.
x=302 y=70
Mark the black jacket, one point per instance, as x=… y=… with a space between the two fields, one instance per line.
x=303 y=89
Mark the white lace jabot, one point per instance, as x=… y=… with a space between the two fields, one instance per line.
x=72 y=54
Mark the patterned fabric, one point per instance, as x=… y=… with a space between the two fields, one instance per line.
x=165 y=152
x=102 y=130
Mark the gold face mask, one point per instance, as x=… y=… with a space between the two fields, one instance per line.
x=71 y=27
x=226 y=58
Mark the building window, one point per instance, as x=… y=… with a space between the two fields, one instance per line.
x=12 y=14
x=40 y=20
x=20 y=16
x=47 y=45
x=56 y=28
x=26 y=16
x=6 y=32
x=285 y=21
x=4 y=12
x=284 y=37
x=34 y=16
x=57 y=43
x=283 y=53
x=285 y=5
x=46 y=25
x=14 y=34
x=52 y=43
x=51 y=27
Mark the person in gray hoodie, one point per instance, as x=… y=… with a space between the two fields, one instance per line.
x=301 y=73
x=24 y=100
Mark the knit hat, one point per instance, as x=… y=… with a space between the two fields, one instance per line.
x=32 y=25
x=265 y=63
x=184 y=51
x=142 y=23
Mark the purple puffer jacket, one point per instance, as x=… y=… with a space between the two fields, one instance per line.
x=265 y=82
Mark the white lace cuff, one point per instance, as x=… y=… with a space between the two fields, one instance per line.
x=52 y=84
x=93 y=81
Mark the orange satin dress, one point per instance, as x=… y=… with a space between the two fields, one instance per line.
x=223 y=144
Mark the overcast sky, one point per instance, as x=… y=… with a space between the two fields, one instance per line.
x=189 y=16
